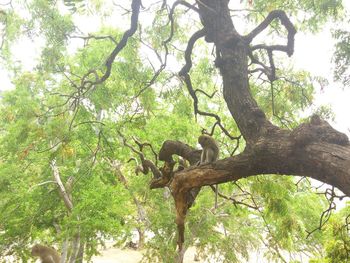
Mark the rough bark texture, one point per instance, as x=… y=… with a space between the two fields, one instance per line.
x=313 y=149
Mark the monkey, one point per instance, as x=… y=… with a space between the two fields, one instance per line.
x=210 y=153
x=46 y=254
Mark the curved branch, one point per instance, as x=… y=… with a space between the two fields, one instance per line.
x=193 y=39
x=146 y=164
x=87 y=84
x=187 y=79
x=281 y=15
x=171 y=17
x=165 y=45
x=206 y=94
x=135 y=6
x=169 y=148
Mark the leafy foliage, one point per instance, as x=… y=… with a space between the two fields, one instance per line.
x=342 y=57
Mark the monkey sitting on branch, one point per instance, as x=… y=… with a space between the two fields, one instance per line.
x=46 y=254
x=210 y=153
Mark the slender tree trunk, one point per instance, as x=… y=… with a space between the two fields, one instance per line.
x=66 y=195
x=141 y=212
x=80 y=255
x=64 y=253
x=141 y=237
x=75 y=248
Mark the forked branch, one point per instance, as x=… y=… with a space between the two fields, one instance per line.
x=281 y=15
x=270 y=71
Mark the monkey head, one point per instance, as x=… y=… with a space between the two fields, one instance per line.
x=36 y=250
x=205 y=140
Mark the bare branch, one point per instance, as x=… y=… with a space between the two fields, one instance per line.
x=146 y=164
x=135 y=6
x=184 y=72
x=233 y=200
x=90 y=36
x=326 y=214
x=206 y=94
x=281 y=15
x=62 y=190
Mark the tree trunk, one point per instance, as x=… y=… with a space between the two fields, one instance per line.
x=141 y=237
x=80 y=255
x=75 y=248
x=67 y=199
x=64 y=253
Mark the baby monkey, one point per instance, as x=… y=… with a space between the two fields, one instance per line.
x=210 y=151
x=46 y=254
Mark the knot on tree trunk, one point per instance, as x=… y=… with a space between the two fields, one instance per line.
x=318 y=130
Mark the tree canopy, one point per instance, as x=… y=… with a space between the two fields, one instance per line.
x=98 y=137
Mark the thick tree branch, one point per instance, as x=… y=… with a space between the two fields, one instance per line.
x=278 y=154
x=232 y=60
x=169 y=148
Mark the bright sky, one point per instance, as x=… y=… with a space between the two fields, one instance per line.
x=312 y=53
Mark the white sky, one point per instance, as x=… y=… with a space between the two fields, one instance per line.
x=313 y=53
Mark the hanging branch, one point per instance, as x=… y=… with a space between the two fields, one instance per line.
x=184 y=73
x=326 y=214
x=142 y=145
x=91 y=36
x=270 y=71
x=146 y=164
x=276 y=14
x=233 y=200
x=91 y=78
x=135 y=7
x=165 y=45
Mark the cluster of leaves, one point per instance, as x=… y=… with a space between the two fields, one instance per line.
x=342 y=56
x=308 y=15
